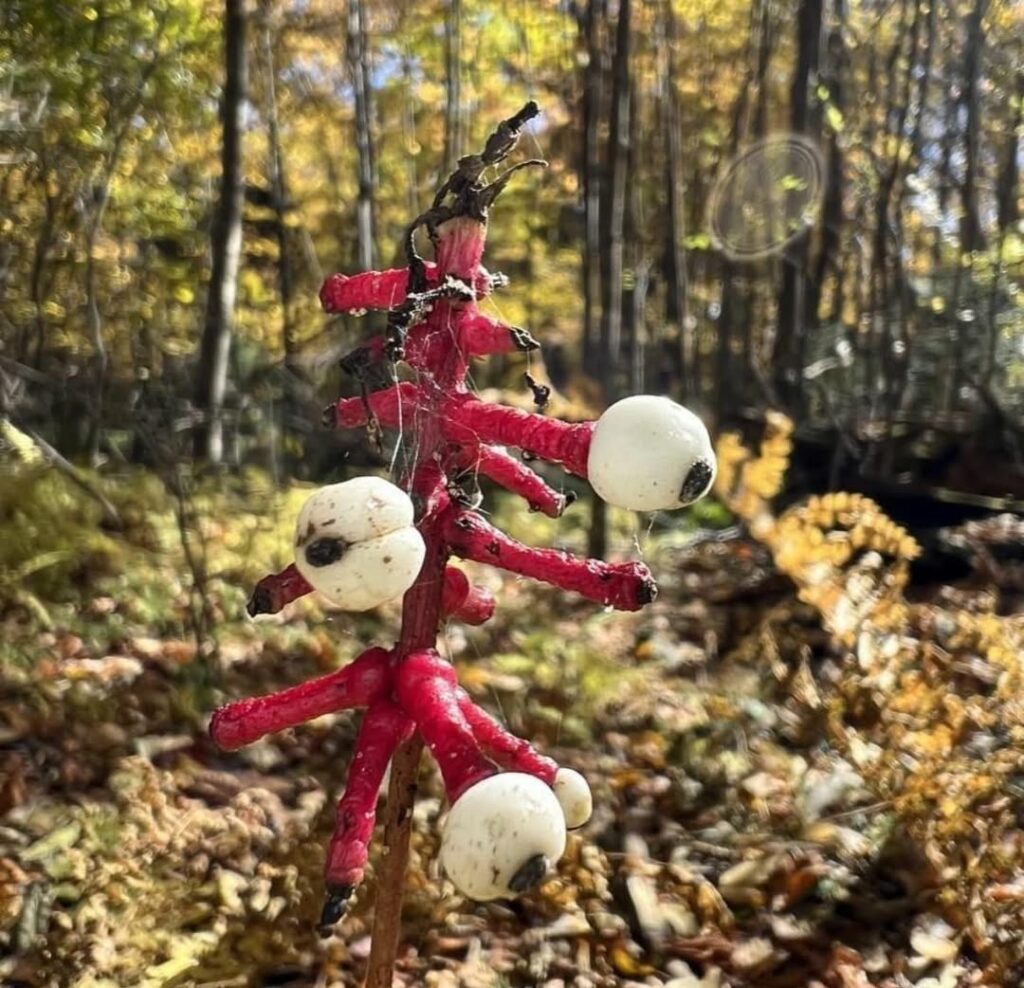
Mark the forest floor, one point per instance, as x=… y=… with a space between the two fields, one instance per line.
x=731 y=844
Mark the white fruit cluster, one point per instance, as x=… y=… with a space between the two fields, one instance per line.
x=503 y=834
x=355 y=543
x=650 y=454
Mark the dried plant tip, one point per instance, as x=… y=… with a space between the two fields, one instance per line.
x=541 y=392
x=260 y=602
x=335 y=905
x=522 y=340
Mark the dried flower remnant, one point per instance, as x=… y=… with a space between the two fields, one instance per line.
x=936 y=688
x=366 y=540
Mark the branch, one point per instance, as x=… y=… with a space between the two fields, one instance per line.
x=472 y=421
x=515 y=476
x=510 y=752
x=428 y=691
x=624 y=586
x=464 y=602
x=383 y=729
x=385 y=289
x=355 y=685
x=389 y=406
x=481 y=336
x=275 y=591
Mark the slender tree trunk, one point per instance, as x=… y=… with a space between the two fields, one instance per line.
x=1007 y=216
x=618 y=162
x=409 y=125
x=453 y=137
x=734 y=296
x=636 y=274
x=972 y=238
x=278 y=183
x=591 y=183
x=828 y=260
x=359 y=68
x=791 y=309
x=226 y=244
x=611 y=309
x=678 y=302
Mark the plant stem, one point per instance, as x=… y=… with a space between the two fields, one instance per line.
x=459 y=252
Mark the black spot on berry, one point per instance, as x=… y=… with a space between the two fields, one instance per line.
x=529 y=874
x=323 y=552
x=696 y=482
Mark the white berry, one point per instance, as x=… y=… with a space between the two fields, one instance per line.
x=355 y=543
x=573 y=795
x=501 y=836
x=649 y=454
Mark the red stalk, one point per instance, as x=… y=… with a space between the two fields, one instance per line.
x=517 y=477
x=472 y=421
x=384 y=727
x=464 y=602
x=503 y=747
x=386 y=289
x=276 y=590
x=429 y=693
x=356 y=685
x=481 y=336
x=624 y=586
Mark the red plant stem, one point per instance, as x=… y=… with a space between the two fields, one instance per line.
x=385 y=289
x=481 y=336
x=463 y=601
x=276 y=590
x=429 y=693
x=355 y=685
x=517 y=477
x=624 y=586
x=350 y=413
x=471 y=421
x=459 y=250
x=503 y=747
x=383 y=728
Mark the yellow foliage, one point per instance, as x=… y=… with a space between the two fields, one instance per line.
x=942 y=683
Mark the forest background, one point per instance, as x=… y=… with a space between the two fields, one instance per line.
x=176 y=180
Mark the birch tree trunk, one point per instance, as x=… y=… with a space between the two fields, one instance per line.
x=226 y=246
x=453 y=137
x=359 y=68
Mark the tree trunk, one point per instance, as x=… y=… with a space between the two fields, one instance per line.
x=279 y=186
x=678 y=304
x=734 y=297
x=226 y=246
x=1007 y=216
x=791 y=309
x=359 y=68
x=453 y=138
x=591 y=183
x=971 y=237
x=828 y=260
x=618 y=161
x=610 y=350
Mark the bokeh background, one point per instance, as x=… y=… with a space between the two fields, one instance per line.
x=759 y=207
